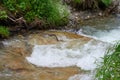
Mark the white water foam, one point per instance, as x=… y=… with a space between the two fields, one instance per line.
x=60 y=56
x=110 y=36
x=83 y=56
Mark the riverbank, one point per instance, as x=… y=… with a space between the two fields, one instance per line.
x=17 y=24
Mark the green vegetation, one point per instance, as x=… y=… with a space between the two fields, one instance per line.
x=91 y=4
x=77 y=1
x=4 y=32
x=47 y=12
x=41 y=14
x=3 y=15
x=107 y=2
x=52 y=12
x=110 y=67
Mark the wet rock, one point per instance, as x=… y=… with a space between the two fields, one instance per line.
x=43 y=74
x=50 y=73
x=1 y=45
x=22 y=70
x=13 y=57
x=68 y=35
x=51 y=37
x=39 y=39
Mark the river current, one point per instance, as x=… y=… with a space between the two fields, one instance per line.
x=104 y=33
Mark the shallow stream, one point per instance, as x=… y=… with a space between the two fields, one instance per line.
x=84 y=52
x=104 y=32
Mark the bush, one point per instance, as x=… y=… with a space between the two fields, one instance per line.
x=50 y=11
x=91 y=4
x=4 y=32
x=110 y=69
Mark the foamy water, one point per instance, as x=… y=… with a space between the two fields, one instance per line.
x=83 y=56
x=110 y=36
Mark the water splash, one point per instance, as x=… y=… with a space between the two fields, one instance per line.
x=110 y=36
x=83 y=56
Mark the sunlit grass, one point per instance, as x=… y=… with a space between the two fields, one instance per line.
x=110 y=67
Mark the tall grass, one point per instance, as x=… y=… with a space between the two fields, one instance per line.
x=110 y=67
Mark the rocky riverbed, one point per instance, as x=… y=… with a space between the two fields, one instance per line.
x=13 y=63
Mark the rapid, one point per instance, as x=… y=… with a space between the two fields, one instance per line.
x=80 y=53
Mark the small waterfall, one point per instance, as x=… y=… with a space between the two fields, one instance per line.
x=110 y=36
x=63 y=55
x=84 y=55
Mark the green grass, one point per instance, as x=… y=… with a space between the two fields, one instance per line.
x=91 y=4
x=4 y=32
x=52 y=12
x=110 y=67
